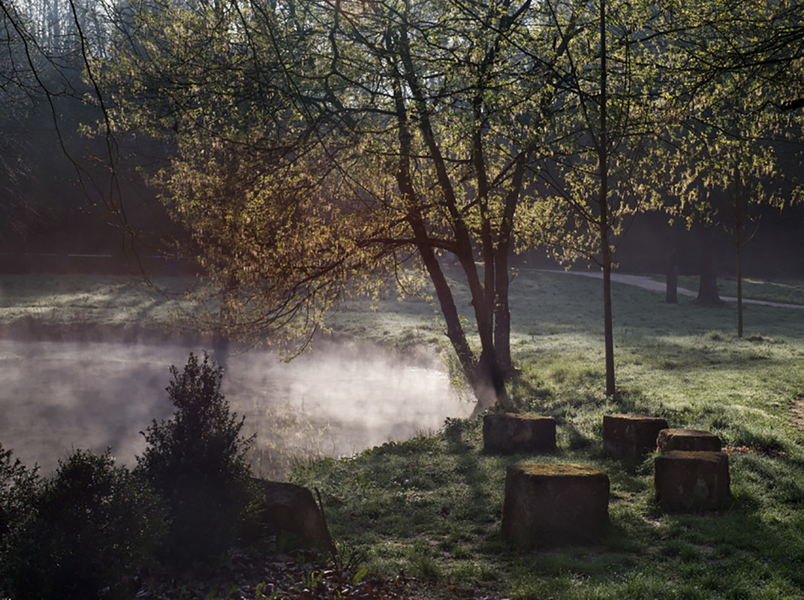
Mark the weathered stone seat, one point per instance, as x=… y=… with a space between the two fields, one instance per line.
x=289 y=510
x=506 y=433
x=690 y=440
x=551 y=504
x=631 y=436
x=691 y=481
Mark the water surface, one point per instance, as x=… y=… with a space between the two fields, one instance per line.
x=335 y=401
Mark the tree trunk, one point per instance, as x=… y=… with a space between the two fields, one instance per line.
x=739 y=291
x=608 y=325
x=223 y=331
x=455 y=332
x=671 y=279
x=502 y=311
x=740 y=221
x=671 y=271
x=605 y=219
x=489 y=372
x=488 y=380
x=707 y=288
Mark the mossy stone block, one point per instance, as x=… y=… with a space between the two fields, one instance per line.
x=631 y=436
x=687 y=440
x=691 y=481
x=289 y=510
x=554 y=504
x=506 y=433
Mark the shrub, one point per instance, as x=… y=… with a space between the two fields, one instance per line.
x=197 y=462
x=88 y=528
x=18 y=487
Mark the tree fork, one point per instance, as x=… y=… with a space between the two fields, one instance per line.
x=484 y=310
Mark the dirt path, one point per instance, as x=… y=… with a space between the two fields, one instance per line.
x=658 y=286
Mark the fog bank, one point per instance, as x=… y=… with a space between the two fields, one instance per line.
x=335 y=401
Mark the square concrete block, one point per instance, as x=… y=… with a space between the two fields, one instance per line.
x=689 y=440
x=506 y=433
x=631 y=436
x=554 y=504
x=691 y=481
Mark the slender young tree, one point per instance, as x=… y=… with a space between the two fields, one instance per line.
x=599 y=172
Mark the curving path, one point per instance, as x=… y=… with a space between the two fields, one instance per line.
x=657 y=286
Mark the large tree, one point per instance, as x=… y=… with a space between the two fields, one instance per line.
x=323 y=145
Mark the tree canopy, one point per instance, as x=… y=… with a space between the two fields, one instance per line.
x=321 y=146
x=315 y=150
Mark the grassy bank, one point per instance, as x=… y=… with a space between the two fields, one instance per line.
x=42 y=302
x=429 y=508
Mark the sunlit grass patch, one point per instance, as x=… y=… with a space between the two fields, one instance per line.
x=90 y=300
x=432 y=532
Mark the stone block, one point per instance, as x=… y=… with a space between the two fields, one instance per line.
x=691 y=481
x=506 y=433
x=688 y=440
x=631 y=436
x=290 y=511
x=554 y=504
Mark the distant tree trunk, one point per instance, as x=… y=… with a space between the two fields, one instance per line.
x=671 y=277
x=671 y=266
x=739 y=290
x=220 y=337
x=740 y=224
x=707 y=288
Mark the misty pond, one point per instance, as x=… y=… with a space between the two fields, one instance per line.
x=335 y=401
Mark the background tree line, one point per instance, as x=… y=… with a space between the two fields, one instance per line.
x=315 y=150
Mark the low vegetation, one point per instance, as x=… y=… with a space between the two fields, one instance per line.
x=424 y=513
x=197 y=462
x=431 y=506
x=89 y=530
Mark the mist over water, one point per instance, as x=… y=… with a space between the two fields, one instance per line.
x=335 y=401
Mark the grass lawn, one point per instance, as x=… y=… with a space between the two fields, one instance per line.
x=429 y=508
x=89 y=300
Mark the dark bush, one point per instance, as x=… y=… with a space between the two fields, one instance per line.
x=197 y=462
x=19 y=486
x=87 y=531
